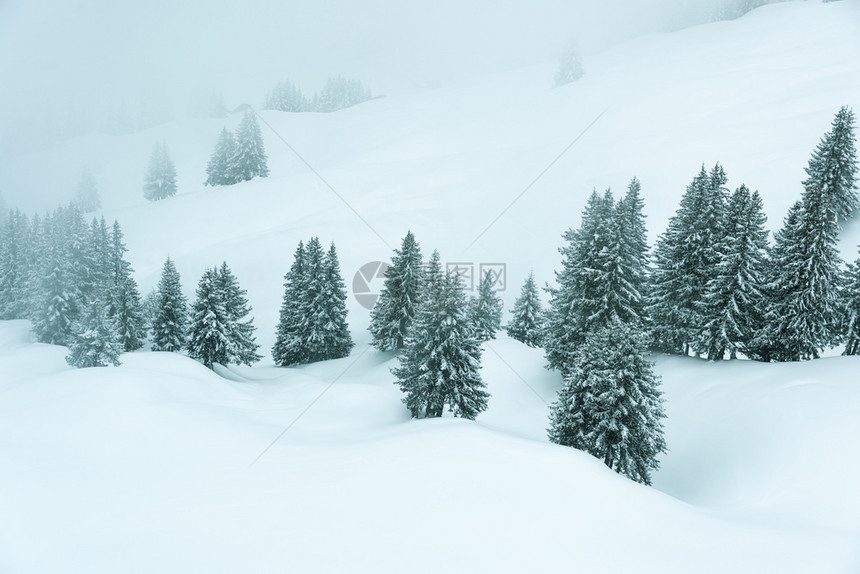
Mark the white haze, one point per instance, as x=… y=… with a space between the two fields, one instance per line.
x=67 y=66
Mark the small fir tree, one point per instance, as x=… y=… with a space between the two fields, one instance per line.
x=526 y=322
x=241 y=329
x=160 y=180
x=170 y=327
x=485 y=310
x=221 y=170
x=569 y=67
x=210 y=338
x=249 y=156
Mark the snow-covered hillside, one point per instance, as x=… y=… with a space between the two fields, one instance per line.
x=151 y=466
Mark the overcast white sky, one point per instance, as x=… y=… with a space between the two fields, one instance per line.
x=61 y=55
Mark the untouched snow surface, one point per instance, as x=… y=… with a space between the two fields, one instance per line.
x=151 y=467
x=156 y=466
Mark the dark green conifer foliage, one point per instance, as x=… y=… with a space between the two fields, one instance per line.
x=170 y=327
x=441 y=361
x=485 y=310
x=392 y=315
x=610 y=405
x=526 y=323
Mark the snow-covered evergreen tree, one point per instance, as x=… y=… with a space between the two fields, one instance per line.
x=392 y=315
x=804 y=316
x=63 y=277
x=600 y=278
x=249 y=157
x=210 y=339
x=851 y=308
x=485 y=310
x=632 y=267
x=566 y=320
x=569 y=66
x=149 y=308
x=526 y=323
x=160 y=180
x=289 y=348
x=441 y=361
x=87 y=197
x=170 y=328
x=221 y=170
x=610 y=405
x=686 y=259
x=329 y=312
x=833 y=166
x=734 y=301
x=95 y=341
x=14 y=266
x=242 y=329
x=124 y=307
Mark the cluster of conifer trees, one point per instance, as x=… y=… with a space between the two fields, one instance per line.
x=72 y=281
x=424 y=316
x=337 y=93
x=238 y=158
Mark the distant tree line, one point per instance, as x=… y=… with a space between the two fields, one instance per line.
x=336 y=94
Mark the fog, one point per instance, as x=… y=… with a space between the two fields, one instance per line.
x=66 y=66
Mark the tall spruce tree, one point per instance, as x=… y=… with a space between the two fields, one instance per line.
x=832 y=168
x=220 y=170
x=170 y=327
x=632 y=266
x=160 y=180
x=392 y=315
x=485 y=310
x=441 y=361
x=804 y=316
x=610 y=405
x=241 y=333
x=526 y=324
x=123 y=300
x=734 y=299
x=249 y=157
x=289 y=348
x=851 y=308
x=598 y=279
x=565 y=319
x=330 y=310
x=210 y=332
x=686 y=258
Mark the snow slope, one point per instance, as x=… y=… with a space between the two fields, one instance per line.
x=151 y=466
